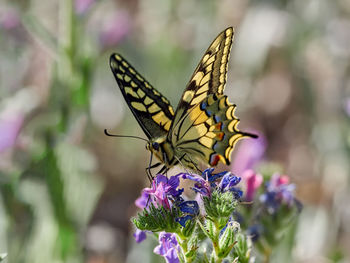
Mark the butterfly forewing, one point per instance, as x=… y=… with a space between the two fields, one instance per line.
x=151 y=109
x=210 y=75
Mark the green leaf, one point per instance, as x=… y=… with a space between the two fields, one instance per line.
x=157 y=219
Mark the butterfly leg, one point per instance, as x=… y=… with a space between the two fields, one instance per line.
x=150 y=166
x=164 y=167
x=148 y=170
x=194 y=164
x=163 y=170
x=179 y=160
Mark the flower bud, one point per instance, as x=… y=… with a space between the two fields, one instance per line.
x=228 y=238
x=242 y=248
x=220 y=206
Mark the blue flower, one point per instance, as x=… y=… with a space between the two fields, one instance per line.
x=182 y=220
x=254 y=232
x=278 y=191
x=190 y=208
x=210 y=177
x=168 y=247
x=228 y=183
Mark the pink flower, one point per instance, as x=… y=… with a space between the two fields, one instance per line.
x=81 y=6
x=9 y=19
x=253 y=182
x=347 y=106
x=277 y=180
x=9 y=129
x=250 y=152
x=115 y=29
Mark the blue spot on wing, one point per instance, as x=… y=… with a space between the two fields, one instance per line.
x=203 y=105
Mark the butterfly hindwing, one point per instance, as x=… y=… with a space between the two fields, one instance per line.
x=209 y=131
x=151 y=109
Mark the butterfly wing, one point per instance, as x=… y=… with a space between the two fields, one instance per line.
x=204 y=124
x=208 y=132
x=210 y=75
x=151 y=109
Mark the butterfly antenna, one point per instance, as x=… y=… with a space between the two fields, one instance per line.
x=123 y=136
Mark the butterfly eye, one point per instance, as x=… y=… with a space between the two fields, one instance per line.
x=155 y=146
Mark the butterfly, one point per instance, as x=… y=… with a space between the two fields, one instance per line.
x=203 y=128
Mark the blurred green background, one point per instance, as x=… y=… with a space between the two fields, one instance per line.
x=67 y=190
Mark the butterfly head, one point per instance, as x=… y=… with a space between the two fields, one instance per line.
x=156 y=146
x=152 y=146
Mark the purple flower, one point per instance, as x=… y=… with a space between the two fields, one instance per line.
x=142 y=201
x=206 y=183
x=115 y=29
x=10 y=19
x=162 y=193
x=201 y=185
x=347 y=106
x=9 y=129
x=168 y=247
x=139 y=235
x=252 y=181
x=81 y=6
x=249 y=154
x=278 y=191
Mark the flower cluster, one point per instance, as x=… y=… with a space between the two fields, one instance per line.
x=184 y=224
x=271 y=209
x=210 y=219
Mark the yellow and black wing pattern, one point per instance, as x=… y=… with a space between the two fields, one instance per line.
x=204 y=126
x=210 y=75
x=151 y=109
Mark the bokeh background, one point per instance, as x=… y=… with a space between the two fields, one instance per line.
x=68 y=191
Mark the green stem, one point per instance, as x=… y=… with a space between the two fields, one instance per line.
x=215 y=242
x=65 y=39
x=183 y=242
x=267 y=252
